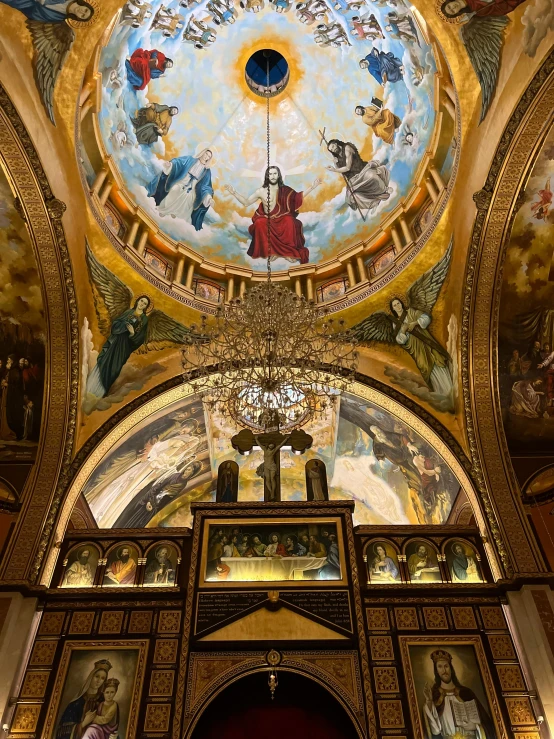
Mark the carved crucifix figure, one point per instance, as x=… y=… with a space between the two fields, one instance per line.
x=271 y=444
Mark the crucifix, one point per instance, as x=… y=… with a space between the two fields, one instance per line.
x=271 y=444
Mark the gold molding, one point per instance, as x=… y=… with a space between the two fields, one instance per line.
x=497 y=204
x=42 y=213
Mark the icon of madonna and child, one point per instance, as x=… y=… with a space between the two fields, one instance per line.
x=95 y=711
x=184 y=190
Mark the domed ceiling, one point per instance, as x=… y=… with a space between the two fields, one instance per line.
x=376 y=56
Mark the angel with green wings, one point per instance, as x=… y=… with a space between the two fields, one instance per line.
x=407 y=325
x=49 y=22
x=129 y=325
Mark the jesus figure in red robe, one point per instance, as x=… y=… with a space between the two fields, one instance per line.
x=285 y=232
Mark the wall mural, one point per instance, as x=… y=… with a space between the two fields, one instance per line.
x=171 y=459
x=129 y=324
x=98 y=693
x=22 y=336
x=193 y=157
x=406 y=324
x=526 y=335
x=451 y=696
x=483 y=26
x=51 y=25
x=165 y=457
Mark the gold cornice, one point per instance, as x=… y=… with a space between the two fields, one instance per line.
x=497 y=204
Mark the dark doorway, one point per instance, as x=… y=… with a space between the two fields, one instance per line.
x=302 y=709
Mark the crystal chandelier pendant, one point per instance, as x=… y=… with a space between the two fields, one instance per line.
x=270 y=360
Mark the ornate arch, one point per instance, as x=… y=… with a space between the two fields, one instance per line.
x=43 y=213
x=497 y=203
x=172 y=390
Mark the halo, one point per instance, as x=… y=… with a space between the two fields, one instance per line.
x=400 y=297
x=456 y=21
x=379 y=544
x=144 y=295
x=202 y=147
x=82 y=24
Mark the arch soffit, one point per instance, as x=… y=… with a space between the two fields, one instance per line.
x=307 y=670
x=42 y=213
x=106 y=442
x=497 y=204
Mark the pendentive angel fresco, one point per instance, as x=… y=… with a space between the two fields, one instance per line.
x=130 y=324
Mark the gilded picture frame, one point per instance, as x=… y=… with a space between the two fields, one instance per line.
x=467 y=650
x=99 y=651
x=313 y=526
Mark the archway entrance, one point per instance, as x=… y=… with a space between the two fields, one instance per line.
x=301 y=708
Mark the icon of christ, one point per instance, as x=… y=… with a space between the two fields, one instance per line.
x=286 y=235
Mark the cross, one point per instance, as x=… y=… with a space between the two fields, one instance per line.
x=271 y=444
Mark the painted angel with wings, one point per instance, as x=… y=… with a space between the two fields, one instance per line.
x=483 y=25
x=129 y=324
x=407 y=325
x=49 y=24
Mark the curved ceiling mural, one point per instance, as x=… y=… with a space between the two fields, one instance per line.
x=152 y=473
x=352 y=132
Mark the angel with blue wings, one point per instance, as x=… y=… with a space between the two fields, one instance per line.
x=129 y=325
x=408 y=326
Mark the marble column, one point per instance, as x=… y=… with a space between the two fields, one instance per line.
x=190 y=276
x=396 y=239
x=86 y=108
x=242 y=288
x=309 y=288
x=179 y=270
x=99 y=181
x=298 y=287
x=230 y=288
x=361 y=268
x=141 y=248
x=435 y=174
x=406 y=231
x=105 y=194
x=432 y=190
x=350 y=272
x=133 y=232
x=531 y=613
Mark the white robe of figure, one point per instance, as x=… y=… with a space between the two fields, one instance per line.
x=446 y=724
x=162 y=460
x=370 y=186
x=78 y=575
x=179 y=202
x=525 y=401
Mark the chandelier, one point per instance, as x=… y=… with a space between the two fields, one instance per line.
x=270 y=360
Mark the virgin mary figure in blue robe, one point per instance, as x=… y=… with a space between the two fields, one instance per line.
x=52 y=11
x=87 y=699
x=383 y=66
x=186 y=190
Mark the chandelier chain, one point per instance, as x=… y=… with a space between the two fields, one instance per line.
x=268 y=141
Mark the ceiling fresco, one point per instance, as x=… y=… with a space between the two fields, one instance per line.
x=171 y=458
x=526 y=336
x=170 y=103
